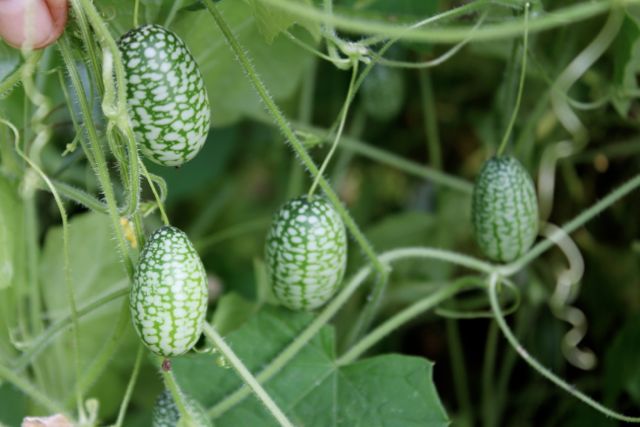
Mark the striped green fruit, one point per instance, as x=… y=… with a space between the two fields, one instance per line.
x=306 y=253
x=166 y=414
x=504 y=209
x=168 y=102
x=168 y=298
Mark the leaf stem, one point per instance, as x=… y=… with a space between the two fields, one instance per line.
x=246 y=376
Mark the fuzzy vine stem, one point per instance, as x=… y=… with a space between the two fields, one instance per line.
x=246 y=375
x=523 y=74
x=78 y=196
x=450 y=34
x=285 y=128
x=494 y=280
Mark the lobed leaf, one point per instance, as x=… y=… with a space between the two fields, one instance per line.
x=389 y=390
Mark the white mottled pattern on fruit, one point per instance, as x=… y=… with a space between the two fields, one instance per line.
x=504 y=209
x=306 y=253
x=165 y=412
x=168 y=101
x=169 y=295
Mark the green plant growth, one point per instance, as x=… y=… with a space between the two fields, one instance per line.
x=179 y=182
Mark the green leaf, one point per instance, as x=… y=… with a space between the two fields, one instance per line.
x=272 y=21
x=389 y=390
x=626 y=64
x=281 y=65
